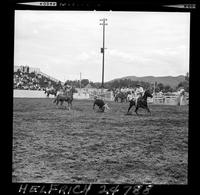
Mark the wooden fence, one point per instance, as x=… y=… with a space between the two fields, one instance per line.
x=170 y=100
x=106 y=95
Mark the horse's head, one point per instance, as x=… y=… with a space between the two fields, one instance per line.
x=147 y=94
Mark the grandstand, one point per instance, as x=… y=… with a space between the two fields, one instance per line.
x=29 y=78
x=49 y=77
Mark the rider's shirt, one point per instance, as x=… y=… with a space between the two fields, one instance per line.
x=139 y=91
x=129 y=97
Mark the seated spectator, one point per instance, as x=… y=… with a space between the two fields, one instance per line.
x=32 y=81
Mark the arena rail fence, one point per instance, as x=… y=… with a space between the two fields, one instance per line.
x=20 y=93
x=170 y=100
x=107 y=96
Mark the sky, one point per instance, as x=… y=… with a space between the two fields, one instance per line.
x=64 y=44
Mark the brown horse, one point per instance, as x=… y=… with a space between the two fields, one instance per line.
x=141 y=102
x=50 y=91
x=66 y=96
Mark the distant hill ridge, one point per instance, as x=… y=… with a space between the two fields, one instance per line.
x=173 y=81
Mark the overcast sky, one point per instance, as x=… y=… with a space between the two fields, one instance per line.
x=64 y=43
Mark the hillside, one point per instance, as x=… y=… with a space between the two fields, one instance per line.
x=165 y=80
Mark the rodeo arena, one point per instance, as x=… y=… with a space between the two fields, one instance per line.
x=68 y=134
x=37 y=84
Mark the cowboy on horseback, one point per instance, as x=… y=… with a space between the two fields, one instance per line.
x=141 y=102
x=66 y=95
x=139 y=92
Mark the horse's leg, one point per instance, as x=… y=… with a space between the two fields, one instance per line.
x=130 y=106
x=68 y=105
x=61 y=103
x=57 y=101
x=136 y=109
x=65 y=105
x=117 y=99
x=71 y=102
x=148 y=110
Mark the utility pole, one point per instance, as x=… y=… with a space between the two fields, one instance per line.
x=80 y=81
x=154 y=91
x=103 y=49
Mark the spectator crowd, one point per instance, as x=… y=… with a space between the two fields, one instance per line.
x=23 y=79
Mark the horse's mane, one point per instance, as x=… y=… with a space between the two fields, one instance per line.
x=145 y=94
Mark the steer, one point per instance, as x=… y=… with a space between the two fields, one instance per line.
x=101 y=104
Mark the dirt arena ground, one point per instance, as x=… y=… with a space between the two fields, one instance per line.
x=55 y=145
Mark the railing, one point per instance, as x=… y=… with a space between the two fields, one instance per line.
x=49 y=77
x=170 y=100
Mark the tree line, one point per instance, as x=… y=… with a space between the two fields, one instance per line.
x=127 y=83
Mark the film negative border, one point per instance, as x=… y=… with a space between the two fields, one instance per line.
x=125 y=5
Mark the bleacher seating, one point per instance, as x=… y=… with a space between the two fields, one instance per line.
x=31 y=81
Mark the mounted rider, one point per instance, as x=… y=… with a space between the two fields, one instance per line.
x=67 y=88
x=139 y=92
